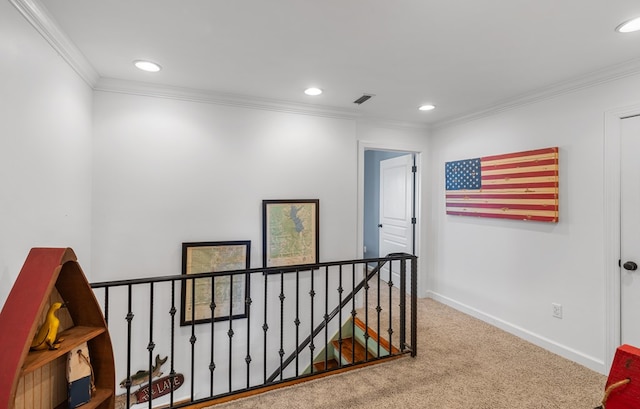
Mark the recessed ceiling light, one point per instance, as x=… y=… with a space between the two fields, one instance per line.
x=313 y=91
x=147 y=66
x=629 y=26
x=427 y=107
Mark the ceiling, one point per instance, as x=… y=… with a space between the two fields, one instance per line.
x=464 y=56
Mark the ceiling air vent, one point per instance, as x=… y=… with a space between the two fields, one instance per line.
x=363 y=98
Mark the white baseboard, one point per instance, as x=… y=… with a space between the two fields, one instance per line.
x=536 y=339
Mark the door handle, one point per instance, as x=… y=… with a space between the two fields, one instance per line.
x=380 y=225
x=630 y=265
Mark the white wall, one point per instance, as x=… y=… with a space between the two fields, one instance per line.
x=45 y=150
x=509 y=272
x=169 y=171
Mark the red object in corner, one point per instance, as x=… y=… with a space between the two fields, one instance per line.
x=22 y=308
x=626 y=365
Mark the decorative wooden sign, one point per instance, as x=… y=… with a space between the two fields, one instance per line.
x=156 y=389
x=159 y=387
x=520 y=186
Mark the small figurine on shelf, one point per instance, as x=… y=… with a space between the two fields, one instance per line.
x=80 y=376
x=47 y=335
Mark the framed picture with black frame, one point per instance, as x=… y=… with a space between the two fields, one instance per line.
x=227 y=295
x=290 y=232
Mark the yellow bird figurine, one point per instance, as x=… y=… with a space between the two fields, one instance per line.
x=47 y=335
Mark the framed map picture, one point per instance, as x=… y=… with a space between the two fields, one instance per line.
x=227 y=296
x=290 y=232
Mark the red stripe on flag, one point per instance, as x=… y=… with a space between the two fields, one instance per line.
x=520 y=185
x=542 y=162
x=502 y=196
x=504 y=206
x=520 y=175
x=520 y=154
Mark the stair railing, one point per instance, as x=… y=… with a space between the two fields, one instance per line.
x=305 y=343
x=222 y=345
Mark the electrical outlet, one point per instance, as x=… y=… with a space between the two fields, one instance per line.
x=365 y=249
x=556 y=310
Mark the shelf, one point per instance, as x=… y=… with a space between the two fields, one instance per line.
x=98 y=397
x=71 y=339
x=52 y=274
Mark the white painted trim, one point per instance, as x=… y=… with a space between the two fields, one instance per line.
x=536 y=339
x=612 y=216
x=387 y=146
x=210 y=97
x=365 y=145
x=392 y=124
x=38 y=16
x=611 y=73
x=245 y=101
x=35 y=12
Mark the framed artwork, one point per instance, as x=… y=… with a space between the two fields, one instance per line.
x=290 y=232
x=517 y=186
x=228 y=295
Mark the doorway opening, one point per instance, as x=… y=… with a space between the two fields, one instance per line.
x=374 y=194
x=371 y=194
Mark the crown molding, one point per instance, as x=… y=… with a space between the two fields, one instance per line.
x=251 y=102
x=394 y=124
x=210 y=97
x=608 y=74
x=38 y=16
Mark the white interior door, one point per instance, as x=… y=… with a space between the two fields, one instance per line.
x=396 y=203
x=630 y=231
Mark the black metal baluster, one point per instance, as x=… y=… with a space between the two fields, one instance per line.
x=326 y=317
x=106 y=305
x=129 y=318
x=212 y=361
x=193 y=338
x=282 y=297
x=297 y=321
x=414 y=307
x=312 y=346
x=378 y=310
x=230 y=333
x=403 y=311
x=248 y=302
x=340 y=290
x=151 y=346
x=172 y=312
x=265 y=327
x=366 y=317
x=390 y=330
x=353 y=315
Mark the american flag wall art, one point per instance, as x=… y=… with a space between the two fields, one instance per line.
x=520 y=186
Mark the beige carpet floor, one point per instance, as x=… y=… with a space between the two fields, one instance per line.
x=462 y=363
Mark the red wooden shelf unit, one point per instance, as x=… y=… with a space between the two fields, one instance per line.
x=37 y=379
